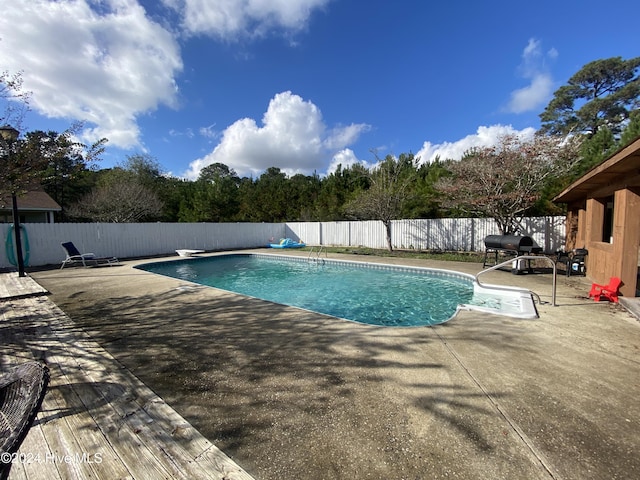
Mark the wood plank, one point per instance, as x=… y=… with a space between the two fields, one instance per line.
x=67 y=430
x=66 y=427
x=42 y=467
x=14 y=286
x=74 y=439
x=204 y=452
x=139 y=460
x=120 y=395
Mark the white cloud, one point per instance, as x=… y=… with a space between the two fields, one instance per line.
x=533 y=96
x=101 y=67
x=292 y=137
x=531 y=50
x=533 y=68
x=346 y=158
x=233 y=19
x=484 y=137
x=209 y=131
x=532 y=59
x=341 y=136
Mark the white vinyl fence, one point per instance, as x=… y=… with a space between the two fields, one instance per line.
x=451 y=234
x=127 y=240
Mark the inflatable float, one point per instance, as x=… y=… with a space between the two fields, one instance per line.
x=287 y=243
x=11 y=251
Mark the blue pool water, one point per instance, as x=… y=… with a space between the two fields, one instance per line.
x=362 y=292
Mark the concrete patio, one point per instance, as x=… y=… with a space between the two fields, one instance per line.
x=291 y=394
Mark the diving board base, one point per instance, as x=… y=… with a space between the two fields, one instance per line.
x=188 y=252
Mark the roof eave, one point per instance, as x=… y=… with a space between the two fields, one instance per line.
x=578 y=189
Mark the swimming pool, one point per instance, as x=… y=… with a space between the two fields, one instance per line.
x=384 y=295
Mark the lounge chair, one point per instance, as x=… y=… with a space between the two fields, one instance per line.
x=74 y=256
x=22 y=390
x=610 y=292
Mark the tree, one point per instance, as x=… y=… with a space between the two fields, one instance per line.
x=338 y=189
x=18 y=169
x=35 y=156
x=47 y=159
x=632 y=130
x=246 y=196
x=270 y=196
x=389 y=192
x=171 y=191
x=176 y=195
x=425 y=201
x=123 y=201
x=302 y=193
x=21 y=170
x=14 y=99
x=602 y=93
x=593 y=151
x=67 y=163
x=216 y=194
x=600 y=146
x=144 y=168
x=503 y=181
x=20 y=165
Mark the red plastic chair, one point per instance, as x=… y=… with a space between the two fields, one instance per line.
x=610 y=292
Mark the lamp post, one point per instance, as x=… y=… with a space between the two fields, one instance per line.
x=10 y=135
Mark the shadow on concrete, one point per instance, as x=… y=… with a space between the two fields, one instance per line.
x=289 y=393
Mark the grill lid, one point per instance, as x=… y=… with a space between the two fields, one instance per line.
x=509 y=242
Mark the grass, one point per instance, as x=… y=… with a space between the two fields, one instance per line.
x=420 y=254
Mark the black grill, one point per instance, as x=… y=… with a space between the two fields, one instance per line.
x=512 y=244
x=520 y=245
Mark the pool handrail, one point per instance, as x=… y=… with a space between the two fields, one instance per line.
x=525 y=257
x=318 y=253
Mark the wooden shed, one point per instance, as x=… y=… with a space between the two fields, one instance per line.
x=603 y=216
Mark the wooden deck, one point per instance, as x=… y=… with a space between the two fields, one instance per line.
x=97 y=420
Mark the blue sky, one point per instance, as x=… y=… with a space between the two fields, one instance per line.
x=302 y=85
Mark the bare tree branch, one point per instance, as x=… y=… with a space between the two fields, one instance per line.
x=388 y=192
x=505 y=180
x=125 y=201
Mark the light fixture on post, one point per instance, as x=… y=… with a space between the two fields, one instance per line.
x=10 y=135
